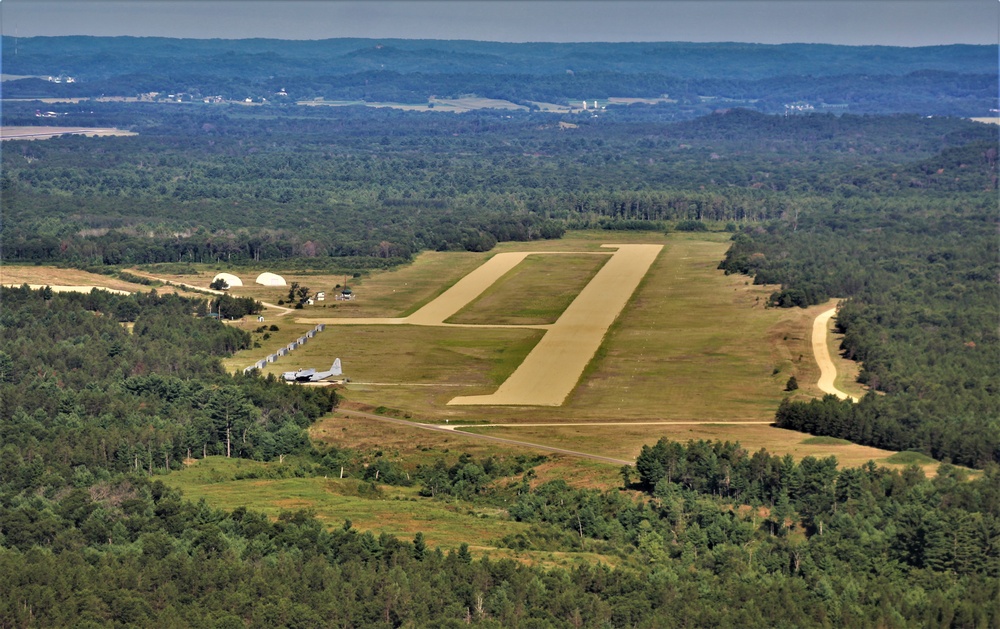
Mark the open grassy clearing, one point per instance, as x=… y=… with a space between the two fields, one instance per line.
x=412 y=446
x=398 y=511
x=626 y=441
x=554 y=367
x=690 y=333
x=536 y=291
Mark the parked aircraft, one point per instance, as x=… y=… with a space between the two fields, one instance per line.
x=311 y=375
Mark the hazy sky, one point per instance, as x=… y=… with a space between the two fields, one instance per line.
x=890 y=22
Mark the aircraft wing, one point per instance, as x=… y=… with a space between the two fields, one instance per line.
x=305 y=375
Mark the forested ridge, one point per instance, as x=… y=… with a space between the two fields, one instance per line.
x=939 y=80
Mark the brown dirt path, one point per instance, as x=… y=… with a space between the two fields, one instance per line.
x=827 y=370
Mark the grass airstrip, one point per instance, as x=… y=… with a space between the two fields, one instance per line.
x=694 y=354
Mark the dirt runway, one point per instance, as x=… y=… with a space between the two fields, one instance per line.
x=554 y=366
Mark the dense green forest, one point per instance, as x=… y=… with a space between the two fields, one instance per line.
x=920 y=274
x=375 y=187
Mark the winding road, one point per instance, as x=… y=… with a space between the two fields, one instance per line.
x=827 y=370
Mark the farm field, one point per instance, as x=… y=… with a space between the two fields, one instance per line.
x=44 y=133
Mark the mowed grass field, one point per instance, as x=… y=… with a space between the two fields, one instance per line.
x=536 y=291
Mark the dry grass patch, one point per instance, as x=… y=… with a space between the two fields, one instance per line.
x=45 y=133
x=626 y=441
x=16 y=275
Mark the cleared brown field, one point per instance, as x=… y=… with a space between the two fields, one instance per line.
x=422 y=447
x=16 y=275
x=44 y=133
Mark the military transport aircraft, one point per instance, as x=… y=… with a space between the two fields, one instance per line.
x=311 y=375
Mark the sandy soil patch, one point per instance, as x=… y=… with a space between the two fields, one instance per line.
x=827 y=370
x=72 y=289
x=554 y=366
x=66 y=279
x=986 y=120
x=44 y=133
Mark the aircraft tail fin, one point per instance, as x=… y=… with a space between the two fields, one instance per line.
x=336 y=369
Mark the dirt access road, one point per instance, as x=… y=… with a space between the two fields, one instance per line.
x=827 y=370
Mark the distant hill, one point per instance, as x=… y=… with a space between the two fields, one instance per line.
x=956 y=80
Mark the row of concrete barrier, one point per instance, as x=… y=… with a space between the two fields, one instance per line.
x=284 y=351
